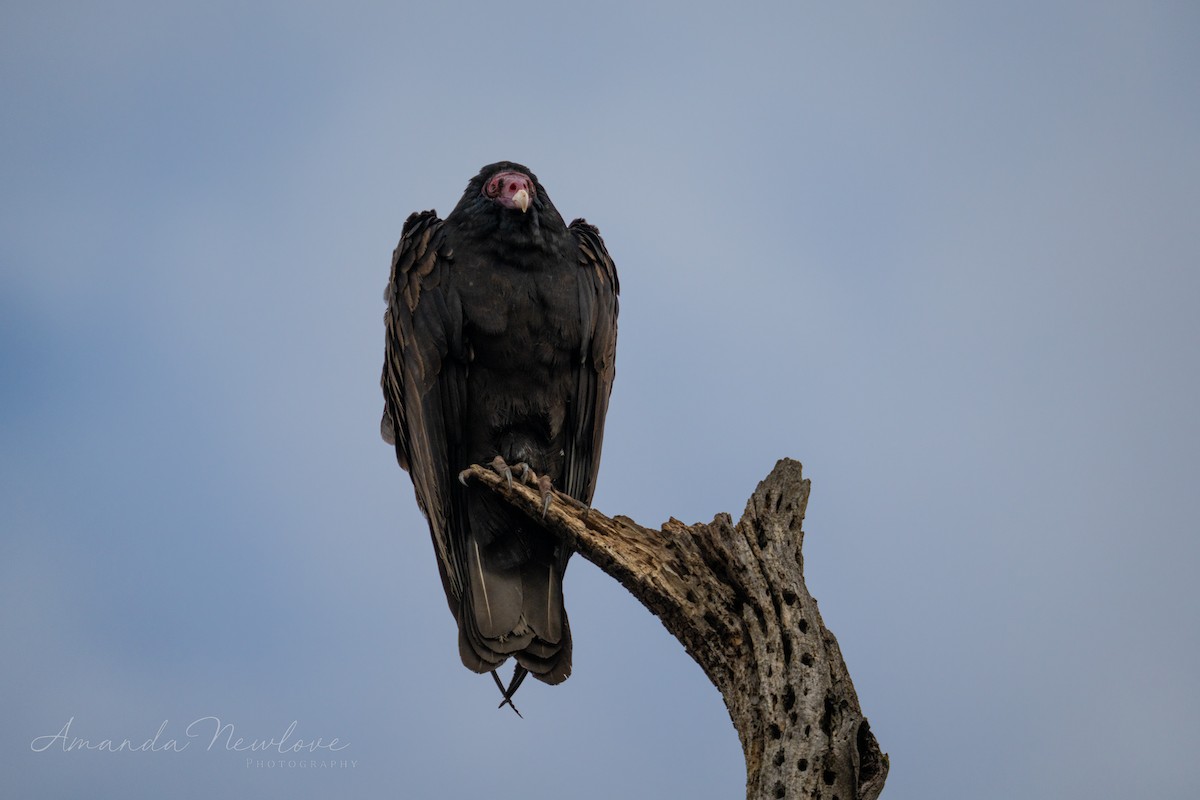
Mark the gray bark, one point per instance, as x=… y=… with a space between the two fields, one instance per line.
x=734 y=595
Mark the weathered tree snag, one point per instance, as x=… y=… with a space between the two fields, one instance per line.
x=734 y=595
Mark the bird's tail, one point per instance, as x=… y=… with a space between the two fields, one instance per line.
x=512 y=605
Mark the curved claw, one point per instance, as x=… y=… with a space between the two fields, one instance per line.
x=500 y=467
x=462 y=476
x=528 y=476
x=547 y=490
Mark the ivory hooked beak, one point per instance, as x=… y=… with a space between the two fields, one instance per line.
x=521 y=200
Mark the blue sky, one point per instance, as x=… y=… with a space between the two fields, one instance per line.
x=945 y=255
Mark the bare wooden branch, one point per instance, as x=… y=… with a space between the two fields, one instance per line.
x=734 y=595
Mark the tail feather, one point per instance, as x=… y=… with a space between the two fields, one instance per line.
x=511 y=599
x=474 y=656
x=541 y=601
x=537 y=634
x=496 y=592
x=553 y=669
x=543 y=650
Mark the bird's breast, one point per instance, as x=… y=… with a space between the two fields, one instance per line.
x=522 y=321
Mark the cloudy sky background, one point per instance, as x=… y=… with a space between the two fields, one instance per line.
x=944 y=255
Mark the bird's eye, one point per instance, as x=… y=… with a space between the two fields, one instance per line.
x=493 y=188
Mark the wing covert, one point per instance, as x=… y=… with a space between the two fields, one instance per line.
x=423 y=378
x=598 y=290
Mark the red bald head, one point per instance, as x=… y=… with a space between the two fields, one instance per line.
x=510 y=189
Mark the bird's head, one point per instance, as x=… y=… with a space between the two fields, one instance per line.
x=506 y=200
x=510 y=188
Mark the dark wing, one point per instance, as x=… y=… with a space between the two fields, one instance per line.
x=594 y=372
x=424 y=380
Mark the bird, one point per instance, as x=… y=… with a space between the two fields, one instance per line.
x=500 y=346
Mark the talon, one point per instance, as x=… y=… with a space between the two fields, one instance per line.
x=528 y=476
x=500 y=467
x=462 y=476
x=545 y=485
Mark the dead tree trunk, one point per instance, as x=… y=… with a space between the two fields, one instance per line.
x=734 y=595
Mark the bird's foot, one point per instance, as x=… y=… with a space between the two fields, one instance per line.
x=526 y=475
x=501 y=468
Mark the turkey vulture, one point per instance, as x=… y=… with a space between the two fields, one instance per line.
x=501 y=333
